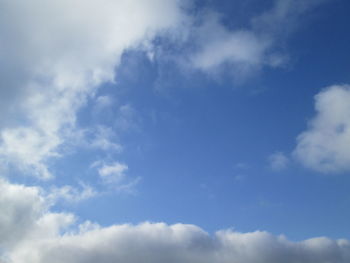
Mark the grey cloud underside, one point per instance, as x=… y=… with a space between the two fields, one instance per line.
x=180 y=243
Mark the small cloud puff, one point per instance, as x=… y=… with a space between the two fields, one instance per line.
x=278 y=161
x=114 y=176
x=114 y=172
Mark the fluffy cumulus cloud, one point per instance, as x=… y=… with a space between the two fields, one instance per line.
x=53 y=56
x=31 y=233
x=324 y=146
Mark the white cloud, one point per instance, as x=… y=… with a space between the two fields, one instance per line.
x=278 y=161
x=53 y=57
x=325 y=145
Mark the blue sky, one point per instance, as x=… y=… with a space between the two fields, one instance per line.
x=220 y=123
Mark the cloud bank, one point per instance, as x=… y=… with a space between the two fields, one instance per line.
x=31 y=233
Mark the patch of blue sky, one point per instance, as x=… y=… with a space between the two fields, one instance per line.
x=201 y=143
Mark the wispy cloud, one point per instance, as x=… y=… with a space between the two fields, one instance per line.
x=247 y=49
x=71 y=194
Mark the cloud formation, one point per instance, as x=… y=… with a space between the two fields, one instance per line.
x=324 y=145
x=54 y=55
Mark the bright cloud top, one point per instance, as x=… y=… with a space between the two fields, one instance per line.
x=33 y=234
